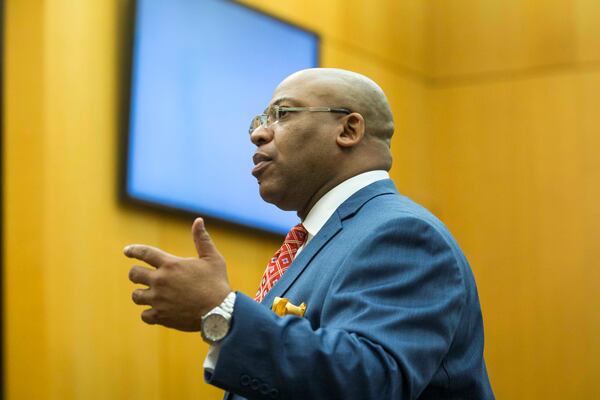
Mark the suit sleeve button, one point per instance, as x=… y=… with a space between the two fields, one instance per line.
x=254 y=384
x=264 y=388
x=245 y=380
x=273 y=393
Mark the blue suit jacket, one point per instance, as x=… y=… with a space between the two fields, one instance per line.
x=392 y=313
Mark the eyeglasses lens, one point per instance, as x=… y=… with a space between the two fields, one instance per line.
x=270 y=116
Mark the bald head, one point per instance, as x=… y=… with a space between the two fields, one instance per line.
x=351 y=90
x=302 y=155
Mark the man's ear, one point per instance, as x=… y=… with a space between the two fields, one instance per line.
x=353 y=130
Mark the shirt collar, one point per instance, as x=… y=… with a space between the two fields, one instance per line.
x=326 y=206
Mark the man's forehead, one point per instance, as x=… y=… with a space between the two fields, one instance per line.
x=300 y=91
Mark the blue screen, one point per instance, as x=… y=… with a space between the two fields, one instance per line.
x=200 y=71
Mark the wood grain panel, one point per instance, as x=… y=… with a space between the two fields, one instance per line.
x=515 y=175
x=467 y=37
x=25 y=347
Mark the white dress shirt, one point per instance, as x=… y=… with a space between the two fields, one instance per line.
x=326 y=206
x=314 y=221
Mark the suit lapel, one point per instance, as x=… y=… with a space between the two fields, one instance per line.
x=329 y=230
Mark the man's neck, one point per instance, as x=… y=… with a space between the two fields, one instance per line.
x=331 y=200
x=302 y=213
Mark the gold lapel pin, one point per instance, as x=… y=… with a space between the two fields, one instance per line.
x=282 y=306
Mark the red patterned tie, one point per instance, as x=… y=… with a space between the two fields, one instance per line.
x=281 y=260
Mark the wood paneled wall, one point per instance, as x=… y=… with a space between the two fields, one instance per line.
x=513 y=112
x=496 y=105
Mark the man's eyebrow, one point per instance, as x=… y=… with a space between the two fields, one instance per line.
x=282 y=99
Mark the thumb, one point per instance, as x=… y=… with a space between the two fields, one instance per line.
x=202 y=240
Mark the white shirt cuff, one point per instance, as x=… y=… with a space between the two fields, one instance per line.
x=210 y=362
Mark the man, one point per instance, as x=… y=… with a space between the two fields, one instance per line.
x=392 y=310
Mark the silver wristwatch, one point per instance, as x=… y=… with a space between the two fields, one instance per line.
x=216 y=322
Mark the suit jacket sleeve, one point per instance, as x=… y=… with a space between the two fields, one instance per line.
x=386 y=323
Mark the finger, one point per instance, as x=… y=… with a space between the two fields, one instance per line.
x=149 y=316
x=152 y=255
x=138 y=274
x=142 y=297
x=204 y=245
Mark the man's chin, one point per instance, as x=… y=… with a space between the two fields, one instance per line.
x=266 y=192
x=274 y=196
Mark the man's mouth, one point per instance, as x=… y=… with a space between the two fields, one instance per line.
x=261 y=161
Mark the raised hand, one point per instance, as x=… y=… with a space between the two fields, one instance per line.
x=180 y=290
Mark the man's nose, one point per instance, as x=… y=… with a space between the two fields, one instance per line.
x=261 y=135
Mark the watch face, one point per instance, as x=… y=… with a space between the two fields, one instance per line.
x=215 y=327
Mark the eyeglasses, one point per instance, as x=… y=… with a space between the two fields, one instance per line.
x=275 y=113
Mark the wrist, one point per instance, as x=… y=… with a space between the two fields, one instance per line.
x=217 y=298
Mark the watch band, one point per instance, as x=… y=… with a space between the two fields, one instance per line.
x=226 y=306
x=228 y=302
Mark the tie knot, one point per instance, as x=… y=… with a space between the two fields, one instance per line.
x=297 y=235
